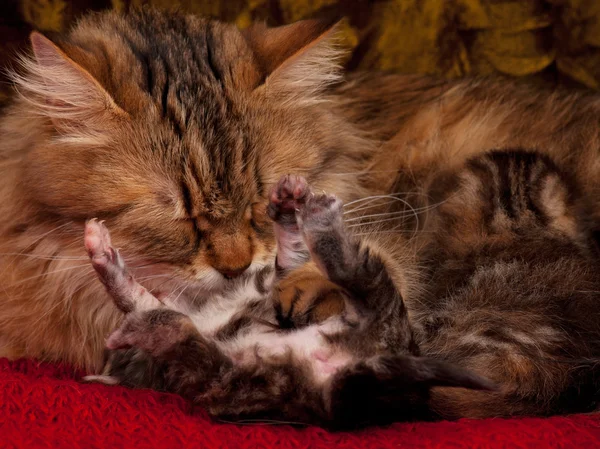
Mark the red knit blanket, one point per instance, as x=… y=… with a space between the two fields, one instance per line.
x=44 y=406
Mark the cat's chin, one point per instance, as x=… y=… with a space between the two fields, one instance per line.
x=211 y=283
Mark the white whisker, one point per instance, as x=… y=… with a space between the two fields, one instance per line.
x=47 y=273
x=42 y=257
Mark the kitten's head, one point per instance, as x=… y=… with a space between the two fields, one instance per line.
x=172 y=128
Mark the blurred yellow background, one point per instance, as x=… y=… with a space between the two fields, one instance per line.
x=553 y=41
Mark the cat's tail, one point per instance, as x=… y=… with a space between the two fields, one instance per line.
x=391 y=388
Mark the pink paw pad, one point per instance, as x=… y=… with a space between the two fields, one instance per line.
x=289 y=194
x=97 y=242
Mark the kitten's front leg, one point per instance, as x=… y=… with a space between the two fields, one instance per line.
x=288 y=195
x=302 y=295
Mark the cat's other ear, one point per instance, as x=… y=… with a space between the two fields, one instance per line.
x=64 y=91
x=298 y=60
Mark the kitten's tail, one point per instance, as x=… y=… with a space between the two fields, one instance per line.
x=392 y=388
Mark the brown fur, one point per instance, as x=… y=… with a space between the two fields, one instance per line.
x=116 y=122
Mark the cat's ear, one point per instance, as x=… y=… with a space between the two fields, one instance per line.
x=298 y=60
x=63 y=90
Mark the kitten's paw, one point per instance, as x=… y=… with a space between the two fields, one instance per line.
x=156 y=331
x=288 y=196
x=321 y=212
x=98 y=244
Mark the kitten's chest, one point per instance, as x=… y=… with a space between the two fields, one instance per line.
x=229 y=313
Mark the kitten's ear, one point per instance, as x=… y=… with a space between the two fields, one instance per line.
x=299 y=59
x=63 y=90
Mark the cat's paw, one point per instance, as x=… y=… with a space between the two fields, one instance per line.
x=289 y=195
x=156 y=331
x=321 y=212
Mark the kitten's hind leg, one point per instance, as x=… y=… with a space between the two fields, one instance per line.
x=125 y=291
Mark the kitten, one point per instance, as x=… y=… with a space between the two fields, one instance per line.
x=362 y=366
x=507 y=290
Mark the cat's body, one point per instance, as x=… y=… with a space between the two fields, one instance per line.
x=173 y=128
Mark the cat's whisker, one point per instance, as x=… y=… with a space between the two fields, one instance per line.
x=41 y=237
x=48 y=273
x=162 y=283
x=154 y=276
x=363 y=172
x=413 y=211
x=43 y=257
x=65 y=302
x=138 y=267
x=182 y=292
x=374 y=203
x=383 y=214
x=375 y=222
x=374 y=197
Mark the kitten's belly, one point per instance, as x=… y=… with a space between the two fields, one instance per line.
x=307 y=346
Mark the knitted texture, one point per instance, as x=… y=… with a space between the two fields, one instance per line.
x=43 y=405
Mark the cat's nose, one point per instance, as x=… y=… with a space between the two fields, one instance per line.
x=231 y=273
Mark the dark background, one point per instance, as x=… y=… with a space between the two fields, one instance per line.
x=549 y=41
